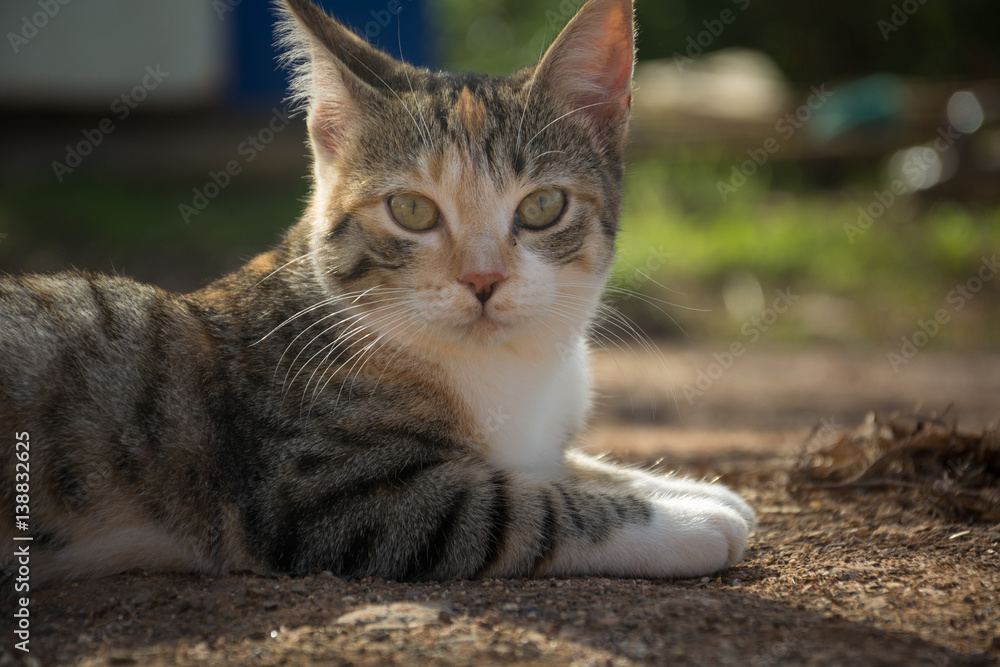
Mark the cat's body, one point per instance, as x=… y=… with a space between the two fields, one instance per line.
x=392 y=391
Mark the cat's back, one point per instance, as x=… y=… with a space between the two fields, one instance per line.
x=108 y=380
x=82 y=338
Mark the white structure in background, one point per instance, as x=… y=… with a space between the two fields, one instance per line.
x=51 y=58
x=730 y=84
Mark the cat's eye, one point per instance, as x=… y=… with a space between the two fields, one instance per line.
x=541 y=209
x=414 y=212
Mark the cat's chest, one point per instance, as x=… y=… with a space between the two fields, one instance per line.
x=525 y=410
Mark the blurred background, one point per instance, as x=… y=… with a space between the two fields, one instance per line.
x=812 y=177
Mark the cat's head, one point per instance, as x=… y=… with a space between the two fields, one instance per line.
x=465 y=208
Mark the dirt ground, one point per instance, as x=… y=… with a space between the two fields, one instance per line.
x=863 y=579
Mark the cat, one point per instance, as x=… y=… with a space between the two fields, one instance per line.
x=397 y=388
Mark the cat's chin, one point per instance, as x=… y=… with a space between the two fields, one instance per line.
x=484 y=331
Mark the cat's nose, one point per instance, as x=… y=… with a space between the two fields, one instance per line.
x=483 y=284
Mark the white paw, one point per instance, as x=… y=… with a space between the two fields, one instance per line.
x=686 y=487
x=699 y=535
x=687 y=537
x=668 y=486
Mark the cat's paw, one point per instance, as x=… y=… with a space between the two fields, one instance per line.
x=683 y=537
x=686 y=537
x=715 y=491
x=668 y=486
x=699 y=536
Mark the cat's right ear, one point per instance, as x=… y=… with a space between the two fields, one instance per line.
x=333 y=71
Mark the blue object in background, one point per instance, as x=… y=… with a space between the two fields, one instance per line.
x=874 y=105
x=257 y=79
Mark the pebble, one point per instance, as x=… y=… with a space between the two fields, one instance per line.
x=397 y=615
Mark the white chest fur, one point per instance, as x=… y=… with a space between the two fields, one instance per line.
x=526 y=410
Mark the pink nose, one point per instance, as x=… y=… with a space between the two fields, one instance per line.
x=483 y=284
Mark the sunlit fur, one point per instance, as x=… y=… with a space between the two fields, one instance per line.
x=364 y=398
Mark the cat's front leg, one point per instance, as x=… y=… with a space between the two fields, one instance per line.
x=587 y=467
x=409 y=514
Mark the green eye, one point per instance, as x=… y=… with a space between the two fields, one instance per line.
x=541 y=209
x=414 y=212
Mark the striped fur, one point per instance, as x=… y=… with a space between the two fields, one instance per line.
x=349 y=401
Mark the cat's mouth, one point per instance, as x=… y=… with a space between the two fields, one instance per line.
x=486 y=325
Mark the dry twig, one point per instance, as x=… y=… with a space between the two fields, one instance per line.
x=922 y=458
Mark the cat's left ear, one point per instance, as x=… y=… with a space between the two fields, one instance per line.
x=590 y=64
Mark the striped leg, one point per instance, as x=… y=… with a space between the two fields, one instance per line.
x=461 y=517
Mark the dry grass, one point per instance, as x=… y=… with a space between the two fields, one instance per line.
x=923 y=461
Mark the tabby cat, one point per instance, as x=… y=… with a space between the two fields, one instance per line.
x=395 y=389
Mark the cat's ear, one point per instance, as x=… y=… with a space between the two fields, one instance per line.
x=589 y=65
x=336 y=75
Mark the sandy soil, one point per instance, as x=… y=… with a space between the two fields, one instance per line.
x=868 y=579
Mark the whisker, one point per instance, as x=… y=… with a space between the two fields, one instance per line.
x=285 y=266
x=411 y=316
x=342 y=339
x=345 y=340
x=649 y=277
x=630 y=293
x=395 y=354
x=570 y=113
x=626 y=325
x=399 y=37
x=409 y=312
x=391 y=302
x=570 y=318
x=325 y=302
x=531 y=88
x=304 y=311
x=652 y=301
x=288 y=347
x=373 y=350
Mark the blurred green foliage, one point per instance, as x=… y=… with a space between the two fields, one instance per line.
x=810 y=41
x=899 y=269
x=134 y=227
